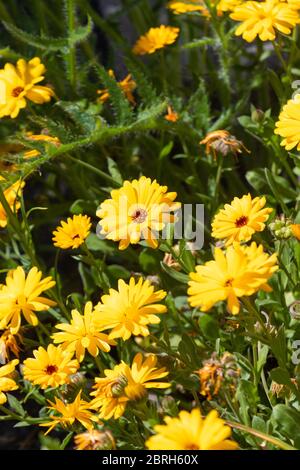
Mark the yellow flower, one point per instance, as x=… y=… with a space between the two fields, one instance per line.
x=81 y=334
x=127 y=85
x=171 y=116
x=139 y=209
x=11 y=194
x=128 y=310
x=288 y=124
x=72 y=234
x=6 y=383
x=21 y=295
x=95 y=440
x=228 y=5
x=124 y=383
x=78 y=410
x=263 y=19
x=223 y=142
x=240 y=271
x=20 y=82
x=8 y=343
x=239 y=220
x=48 y=139
x=190 y=431
x=51 y=367
x=189 y=6
x=295 y=228
x=156 y=38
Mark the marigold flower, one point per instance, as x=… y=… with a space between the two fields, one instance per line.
x=139 y=209
x=240 y=271
x=263 y=19
x=21 y=295
x=222 y=142
x=81 y=334
x=18 y=83
x=240 y=219
x=8 y=343
x=50 y=367
x=11 y=194
x=128 y=310
x=72 y=234
x=7 y=384
x=156 y=38
x=127 y=85
x=171 y=115
x=95 y=440
x=78 y=410
x=288 y=124
x=191 y=431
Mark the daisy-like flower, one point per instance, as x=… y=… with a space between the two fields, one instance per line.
x=7 y=384
x=128 y=310
x=240 y=271
x=50 y=367
x=9 y=344
x=72 y=234
x=123 y=384
x=21 y=295
x=18 y=83
x=239 y=220
x=81 y=334
x=288 y=124
x=12 y=195
x=191 y=431
x=66 y=414
x=222 y=142
x=127 y=85
x=95 y=440
x=263 y=19
x=139 y=209
x=155 y=39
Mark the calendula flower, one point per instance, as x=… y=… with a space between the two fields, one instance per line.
x=189 y=6
x=128 y=310
x=240 y=219
x=155 y=39
x=18 y=83
x=171 y=115
x=240 y=271
x=95 y=440
x=191 y=431
x=264 y=19
x=139 y=209
x=288 y=124
x=81 y=334
x=66 y=414
x=11 y=194
x=72 y=234
x=21 y=295
x=228 y=5
x=222 y=142
x=127 y=85
x=7 y=384
x=50 y=367
x=123 y=383
x=9 y=344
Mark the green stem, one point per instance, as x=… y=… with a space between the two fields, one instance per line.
x=95 y=170
x=71 y=55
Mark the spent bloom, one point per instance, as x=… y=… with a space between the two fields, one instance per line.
x=288 y=124
x=240 y=219
x=81 y=334
x=127 y=85
x=130 y=309
x=95 y=440
x=7 y=384
x=222 y=142
x=11 y=194
x=9 y=344
x=139 y=209
x=72 y=234
x=171 y=115
x=21 y=295
x=237 y=272
x=20 y=82
x=155 y=39
x=191 y=431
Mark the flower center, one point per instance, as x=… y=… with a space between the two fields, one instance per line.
x=229 y=282
x=16 y=91
x=139 y=216
x=75 y=236
x=192 y=447
x=241 y=221
x=117 y=389
x=50 y=370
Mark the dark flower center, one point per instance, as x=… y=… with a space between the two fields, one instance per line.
x=241 y=221
x=139 y=216
x=228 y=283
x=50 y=370
x=16 y=91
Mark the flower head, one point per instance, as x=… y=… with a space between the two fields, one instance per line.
x=139 y=209
x=18 y=83
x=81 y=334
x=156 y=38
x=239 y=220
x=7 y=384
x=95 y=440
x=288 y=124
x=50 y=367
x=127 y=85
x=189 y=6
x=45 y=138
x=222 y=142
x=190 y=431
x=128 y=310
x=21 y=295
x=11 y=194
x=67 y=414
x=263 y=19
x=238 y=272
x=72 y=234
x=9 y=344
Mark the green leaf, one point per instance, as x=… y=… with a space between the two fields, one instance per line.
x=180 y=277
x=49 y=443
x=66 y=441
x=15 y=405
x=209 y=327
x=248 y=399
x=114 y=170
x=95 y=243
x=287 y=421
x=149 y=261
x=262 y=359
